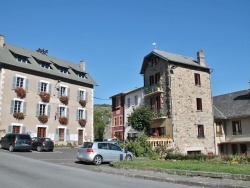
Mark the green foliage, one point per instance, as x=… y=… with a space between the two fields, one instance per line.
x=100 y=111
x=141 y=118
x=141 y=147
x=198 y=157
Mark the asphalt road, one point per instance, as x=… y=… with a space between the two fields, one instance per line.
x=42 y=169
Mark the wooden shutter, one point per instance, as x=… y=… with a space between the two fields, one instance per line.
x=77 y=115
x=14 y=82
x=50 y=88
x=12 y=104
x=68 y=93
x=48 y=110
x=56 y=137
x=37 y=109
x=24 y=107
x=38 y=87
x=67 y=135
x=27 y=85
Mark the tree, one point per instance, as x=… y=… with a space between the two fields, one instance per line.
x=141 y=118
x=99 y=126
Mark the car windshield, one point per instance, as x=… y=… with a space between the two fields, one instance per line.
x=87 y=145
x=24 y=137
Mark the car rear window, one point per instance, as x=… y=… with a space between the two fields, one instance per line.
x=47 y=139
x=24 y=137
x=87 y=145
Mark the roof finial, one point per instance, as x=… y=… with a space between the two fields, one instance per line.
x=154 y=44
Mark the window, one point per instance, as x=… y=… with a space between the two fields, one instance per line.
x=199 y=104
x=15 y=129
x=61 y=134
x=43 y=109
x=157 y=78
x=128 y=102
x=121 y=120
x=45 y=65
x=115 y=121
x=43 y=86
x=62 y=112
x=81 y=94
x=21 y=59
x=218 y=128
x=236 y=125
x=200 y=131
x=18 y=106
x=81 y=75
x=136 y=100
x=41 y=132
x=81 y=114
x=118 y=102
x=19 y=81
x=63 y=70
x=63 y=91
x=197 y=79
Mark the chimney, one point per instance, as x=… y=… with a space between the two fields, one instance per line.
x=201 y=58
x=1 y=40
x=82 y=65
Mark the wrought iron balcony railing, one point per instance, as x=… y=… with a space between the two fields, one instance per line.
x=152 y=89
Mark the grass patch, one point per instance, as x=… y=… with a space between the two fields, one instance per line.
x=208 y=166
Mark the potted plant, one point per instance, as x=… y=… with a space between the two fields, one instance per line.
x=20 y=92
x=18 y=115
x=63 y=120
x=64 y=99
x=43 y=118
x=45 y=96
x=82 y=102
x=82 y=122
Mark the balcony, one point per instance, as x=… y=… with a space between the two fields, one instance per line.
x=152 y=90
x=160 y=141
x=238 y=137
x=160 y=113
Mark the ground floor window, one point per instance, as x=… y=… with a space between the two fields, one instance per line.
x=119 y=135
x=41 y=132
x=15 y=129
x=198 y=152
x=61 y=134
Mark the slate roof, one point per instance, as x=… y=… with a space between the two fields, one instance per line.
x=232 y=105
x=6 y=57
x=179 y=59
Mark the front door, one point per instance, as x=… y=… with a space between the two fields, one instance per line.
x=41 y=132
x=80 y=137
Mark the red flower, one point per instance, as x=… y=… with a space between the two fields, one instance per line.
x=63 y=120
x=18 y=115
x=45 y=96
x=64 y=100
x=82 y=102
x=20 y=92
x=82 y=122
x=43 y=118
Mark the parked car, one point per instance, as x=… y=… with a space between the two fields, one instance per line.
x=40 y=144
x=98 y=152
x=14 y=141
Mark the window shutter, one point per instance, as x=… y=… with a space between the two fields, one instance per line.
x=86 y=96
x=38 y=87
x=78 y=95
x=48 y=110
x=23 y=129
x=77 y=115
x=14 y=82
x=56 y=137
x=12 y=106
x=10 y=128
x=58 y=112
x=37 y=110
x=68 y=93
x=50 y=88
x=24 y=107
x=86 y=115
x=67 y=113
x=67 y=135
x=58 y=91
x=27 y=85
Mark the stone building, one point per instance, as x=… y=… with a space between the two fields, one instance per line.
x=44 y=96
x=178 y=90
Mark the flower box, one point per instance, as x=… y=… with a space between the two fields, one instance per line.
x=82 y=122
x=43 y=118
x=19 y=115
x=64 y=100
x=45 y=96
x=82 y=102
x=63 y=120
x=20 y=92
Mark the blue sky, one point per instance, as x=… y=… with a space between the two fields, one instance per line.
x=113 y=36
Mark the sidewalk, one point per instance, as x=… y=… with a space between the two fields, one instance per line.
x=190 y=178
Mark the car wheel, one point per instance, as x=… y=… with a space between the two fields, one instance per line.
x=128 y=158
x=11 y=148
x=39 y=148
x=97 y=160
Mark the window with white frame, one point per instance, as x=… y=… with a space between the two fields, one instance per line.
x=63 y=70
x=21 y=59
x=20 y=81
x=63 y=91
x=18 y=106
x=43 y=109
x=44 y=86
x=81 y=114
x=62 y=111
x=81 y=75
x=236 y=125
x=45 y=65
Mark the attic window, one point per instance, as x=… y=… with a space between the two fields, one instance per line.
x=63 y=70
x=45 y=65
x=81 y=75
x=21 y=58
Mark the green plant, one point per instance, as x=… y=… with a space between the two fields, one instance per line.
x=64 y=99
x=63 y=120
x=20 y=92
x=43 y=118
x=19 y=115
x=45 y=96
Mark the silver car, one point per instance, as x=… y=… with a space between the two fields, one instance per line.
x=98 y=152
